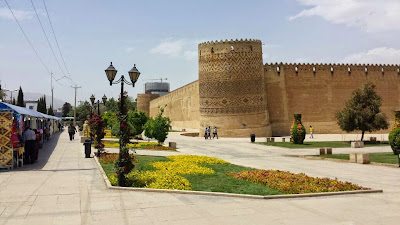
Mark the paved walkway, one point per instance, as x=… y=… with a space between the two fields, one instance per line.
x=65 y=188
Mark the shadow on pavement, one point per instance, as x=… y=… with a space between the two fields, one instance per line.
x=44 y=154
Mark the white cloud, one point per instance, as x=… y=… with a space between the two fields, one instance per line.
x=382 y=55
x=190 y=55
x=369 y=15
x=182 y=48
x=170 y=48
x=19 y=14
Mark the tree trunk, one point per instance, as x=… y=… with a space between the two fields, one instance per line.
x=362 y=135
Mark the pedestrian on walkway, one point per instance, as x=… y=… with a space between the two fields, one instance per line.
x=71 y=131
x=215 y=134
x=205 y=133
x=311 y=131
x=209 y=132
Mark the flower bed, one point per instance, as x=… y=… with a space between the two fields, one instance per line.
x=290 y=183
x=167 y=175
x=201 y=173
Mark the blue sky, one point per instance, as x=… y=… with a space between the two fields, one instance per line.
x=161 y=37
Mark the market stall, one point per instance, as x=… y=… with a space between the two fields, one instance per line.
x=13 y=120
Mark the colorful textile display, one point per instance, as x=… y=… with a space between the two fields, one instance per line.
x=6 y=146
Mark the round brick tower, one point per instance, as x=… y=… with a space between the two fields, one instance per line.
x=231 y=88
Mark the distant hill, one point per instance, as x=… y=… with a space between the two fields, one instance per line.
x=35 y=96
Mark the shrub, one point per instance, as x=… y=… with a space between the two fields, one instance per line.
x=297 y=131
x=394 y=135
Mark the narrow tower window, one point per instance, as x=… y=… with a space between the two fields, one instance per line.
x=297 y=70
x=232 y=48
x=383 y=71
x=314 y=70
x=349 y=70
x=251 y=48
x=212 y=50
x=331 y=70
x=366 y=71
x=278 y=70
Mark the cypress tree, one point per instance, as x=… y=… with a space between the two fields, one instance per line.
x=20 y=99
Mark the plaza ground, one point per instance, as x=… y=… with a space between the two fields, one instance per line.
x=65 y=188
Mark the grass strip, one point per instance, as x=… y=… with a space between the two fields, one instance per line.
x=387 y=157
x=320 y=144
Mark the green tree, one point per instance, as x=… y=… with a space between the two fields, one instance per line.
x=41 y=107
x=362 y=112
x=112 y=105
x=50 y=111
x=83 y=111
x=149 y=127
x=136 y=121
x=20 y=99
x=110 y=119
x=66 y=108
x=161 y=127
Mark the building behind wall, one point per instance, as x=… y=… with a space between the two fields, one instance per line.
x=240 y=95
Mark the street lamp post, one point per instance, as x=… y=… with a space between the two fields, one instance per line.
x=92 y=100
x=134 y=74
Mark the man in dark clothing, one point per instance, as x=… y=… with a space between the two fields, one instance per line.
x=29 y=137
x=71 y=131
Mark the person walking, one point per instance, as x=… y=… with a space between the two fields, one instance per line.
x=205 y=133
x=209 y=132
x=215 y=134
x=311 y=131
x=71 y=131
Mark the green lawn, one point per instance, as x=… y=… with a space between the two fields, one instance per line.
x=217 y=182
x=389 y=157
x=319 y=144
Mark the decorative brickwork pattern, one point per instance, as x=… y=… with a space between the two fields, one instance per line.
x=229 y=85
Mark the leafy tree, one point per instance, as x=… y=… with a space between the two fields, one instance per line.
x=161 y=127
x=83 y=111
x=50 y=111
x=136 y=121
x=149 y=127
x=41 y=107
x=20 y=99
x=110 y=118
x=112 y=105
x=66 y=108
x=362 y=112
x=13 y=102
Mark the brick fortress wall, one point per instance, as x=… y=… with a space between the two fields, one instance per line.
x=143 y=102
x=318 y=91
x=181 y=106
x=240 y=95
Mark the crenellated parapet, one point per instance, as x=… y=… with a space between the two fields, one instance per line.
x=333 y=68
x=229 y=46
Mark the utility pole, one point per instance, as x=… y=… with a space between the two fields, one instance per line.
x=76 y=88
x=52 y=90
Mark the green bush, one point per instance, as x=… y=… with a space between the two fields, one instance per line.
x=297 y=131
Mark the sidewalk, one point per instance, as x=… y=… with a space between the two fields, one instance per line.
x=66 y=188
